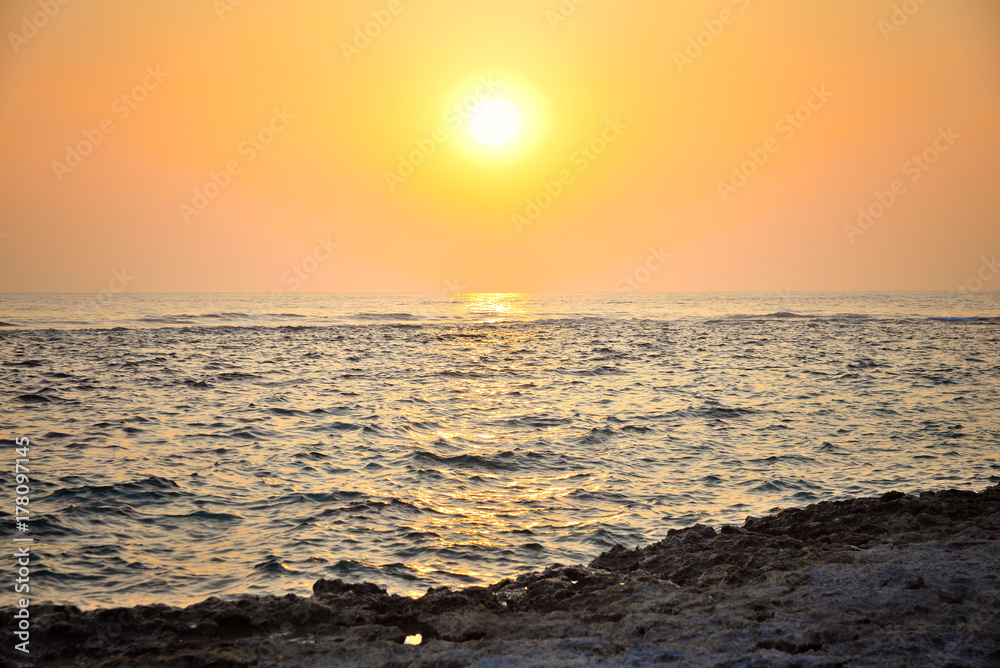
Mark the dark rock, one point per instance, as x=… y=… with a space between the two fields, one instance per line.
x=895 y=580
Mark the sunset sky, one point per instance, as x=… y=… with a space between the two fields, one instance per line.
x=217 y=145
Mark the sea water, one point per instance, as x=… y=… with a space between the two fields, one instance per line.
x=185 y=446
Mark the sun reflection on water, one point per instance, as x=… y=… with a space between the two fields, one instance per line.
x=496 y=306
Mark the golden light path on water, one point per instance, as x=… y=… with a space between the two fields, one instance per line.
x=475 y=518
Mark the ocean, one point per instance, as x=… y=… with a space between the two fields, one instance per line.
x=186 y=446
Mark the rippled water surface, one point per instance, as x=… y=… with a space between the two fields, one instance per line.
x=192 y=445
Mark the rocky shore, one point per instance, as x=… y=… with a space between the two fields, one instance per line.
x=896 y=580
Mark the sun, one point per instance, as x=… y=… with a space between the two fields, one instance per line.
x=495 y=122
x=493 y=119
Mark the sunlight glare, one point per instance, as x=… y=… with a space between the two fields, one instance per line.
x=495 y=122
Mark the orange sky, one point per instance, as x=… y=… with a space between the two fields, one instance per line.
x=175 y=90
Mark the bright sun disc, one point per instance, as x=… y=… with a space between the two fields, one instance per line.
x=495 y=122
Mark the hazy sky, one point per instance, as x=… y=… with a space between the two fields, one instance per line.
x=220 y=145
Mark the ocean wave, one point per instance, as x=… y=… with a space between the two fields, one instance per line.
x=43 y=396
x=598 y=435
x=365 y=505
x=26 y=363
x=228 y=315
x=965 y=318
x=150 y=488
x=534 y=420
x=237 y=375
x=501 y=461
x=602 y=370
x=384 y=317
x=786 y=314
x=711 y=410
x=273 y=565
x=167 y=319
x=287 y=412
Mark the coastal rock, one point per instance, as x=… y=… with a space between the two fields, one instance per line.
x=897 y=580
